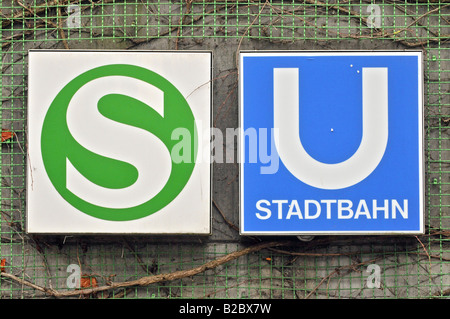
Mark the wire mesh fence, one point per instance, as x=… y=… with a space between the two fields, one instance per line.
x=224 y=265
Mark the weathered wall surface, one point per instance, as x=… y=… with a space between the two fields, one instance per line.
x=326 y=267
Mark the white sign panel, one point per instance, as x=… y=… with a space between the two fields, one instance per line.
x=118 y=142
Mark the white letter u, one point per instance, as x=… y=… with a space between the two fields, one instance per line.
x=374 y=133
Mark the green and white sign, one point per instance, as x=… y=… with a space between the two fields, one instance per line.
x=118 y=142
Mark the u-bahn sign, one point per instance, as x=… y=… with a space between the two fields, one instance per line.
x=115 y=142
x=331 y=142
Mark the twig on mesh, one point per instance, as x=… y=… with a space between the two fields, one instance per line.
x=170 y=30
x=20 y=15
x=233 y=226
x=210 y=81
x=182 y=21
x=18 y=143
x=377 y=35
x=351 y=13
x=147 y=269
x=426 y=252
x=219 y=109
x=36 y=10
x=15 y=226
x=416 y=21
x=141 y=263
x=308 y=254
x=240 y=283
x=437 y=232
x=60 y=28
x=422 y=16
x=40 y=250
x=434 y=256
x=336 y=271
x=4 y=239
x=442 y=293
x=149 y=280
x=27 y=283
x=33 y=13
x=235 y=176
x=245 y=32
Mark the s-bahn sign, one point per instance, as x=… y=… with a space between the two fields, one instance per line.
x=115 y=142
x=331 y=142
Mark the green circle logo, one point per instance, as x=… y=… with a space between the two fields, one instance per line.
x=59 y=146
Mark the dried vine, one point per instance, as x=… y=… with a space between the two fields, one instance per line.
x=148 y=280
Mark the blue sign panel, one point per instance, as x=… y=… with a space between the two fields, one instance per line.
x=331 y=143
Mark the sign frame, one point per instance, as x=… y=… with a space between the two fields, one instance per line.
x=206 y=225
x=421 y=136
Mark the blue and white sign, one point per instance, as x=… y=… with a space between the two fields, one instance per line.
x=331 y=143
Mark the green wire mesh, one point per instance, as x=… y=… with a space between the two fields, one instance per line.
x=326 y=267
